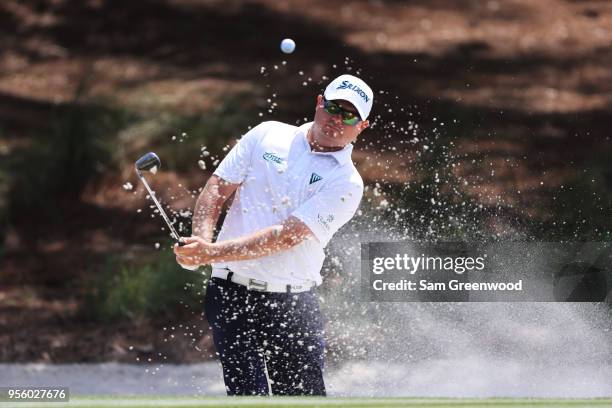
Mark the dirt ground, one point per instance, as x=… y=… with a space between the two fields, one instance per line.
x=529 y=83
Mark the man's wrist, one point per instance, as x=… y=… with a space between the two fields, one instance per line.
x=205 y=235
x=214 y=252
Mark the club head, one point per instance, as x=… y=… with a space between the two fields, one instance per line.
x=148 y=162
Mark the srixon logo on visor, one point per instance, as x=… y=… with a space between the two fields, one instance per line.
x=360 y=92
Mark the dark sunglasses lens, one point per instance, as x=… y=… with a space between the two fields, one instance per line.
x=331 y=108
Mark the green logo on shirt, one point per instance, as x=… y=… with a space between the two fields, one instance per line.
x=272 y=158
x=325 y=221
x=314 y=177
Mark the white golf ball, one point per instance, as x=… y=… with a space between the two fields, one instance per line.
x=287 y=46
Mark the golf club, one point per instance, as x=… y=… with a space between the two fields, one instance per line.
x=150 y=162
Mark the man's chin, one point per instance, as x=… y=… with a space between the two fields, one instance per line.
x=332 y=133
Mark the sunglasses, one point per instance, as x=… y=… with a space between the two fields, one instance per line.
x=348 y=117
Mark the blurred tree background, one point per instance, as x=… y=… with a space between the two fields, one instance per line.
x=490 y=122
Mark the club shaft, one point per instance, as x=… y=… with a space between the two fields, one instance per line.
x=159 y=207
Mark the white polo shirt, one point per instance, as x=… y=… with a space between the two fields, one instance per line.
x=280 y=176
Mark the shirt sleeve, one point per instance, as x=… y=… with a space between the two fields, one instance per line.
x=332 y=207
x=235 y=166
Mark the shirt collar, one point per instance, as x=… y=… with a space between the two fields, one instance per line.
x=342 y=156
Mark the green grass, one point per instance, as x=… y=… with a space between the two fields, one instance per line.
x=279 y=402
x=138 y=289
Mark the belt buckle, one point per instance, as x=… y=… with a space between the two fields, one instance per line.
x=257 y=285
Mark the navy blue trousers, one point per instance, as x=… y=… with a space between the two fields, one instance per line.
x=267 y=342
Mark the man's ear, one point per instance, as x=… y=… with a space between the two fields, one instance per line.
x=363 y=125
x=319 y=100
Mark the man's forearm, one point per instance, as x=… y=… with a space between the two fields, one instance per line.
x=208 y=208
x=206 y=213
x=264 y=242
x=258 y=244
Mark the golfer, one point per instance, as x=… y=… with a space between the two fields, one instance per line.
x=295 y=187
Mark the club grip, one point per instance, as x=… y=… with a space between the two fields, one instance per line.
x=181 y=243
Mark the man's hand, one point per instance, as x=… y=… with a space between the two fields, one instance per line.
x=195 y=252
